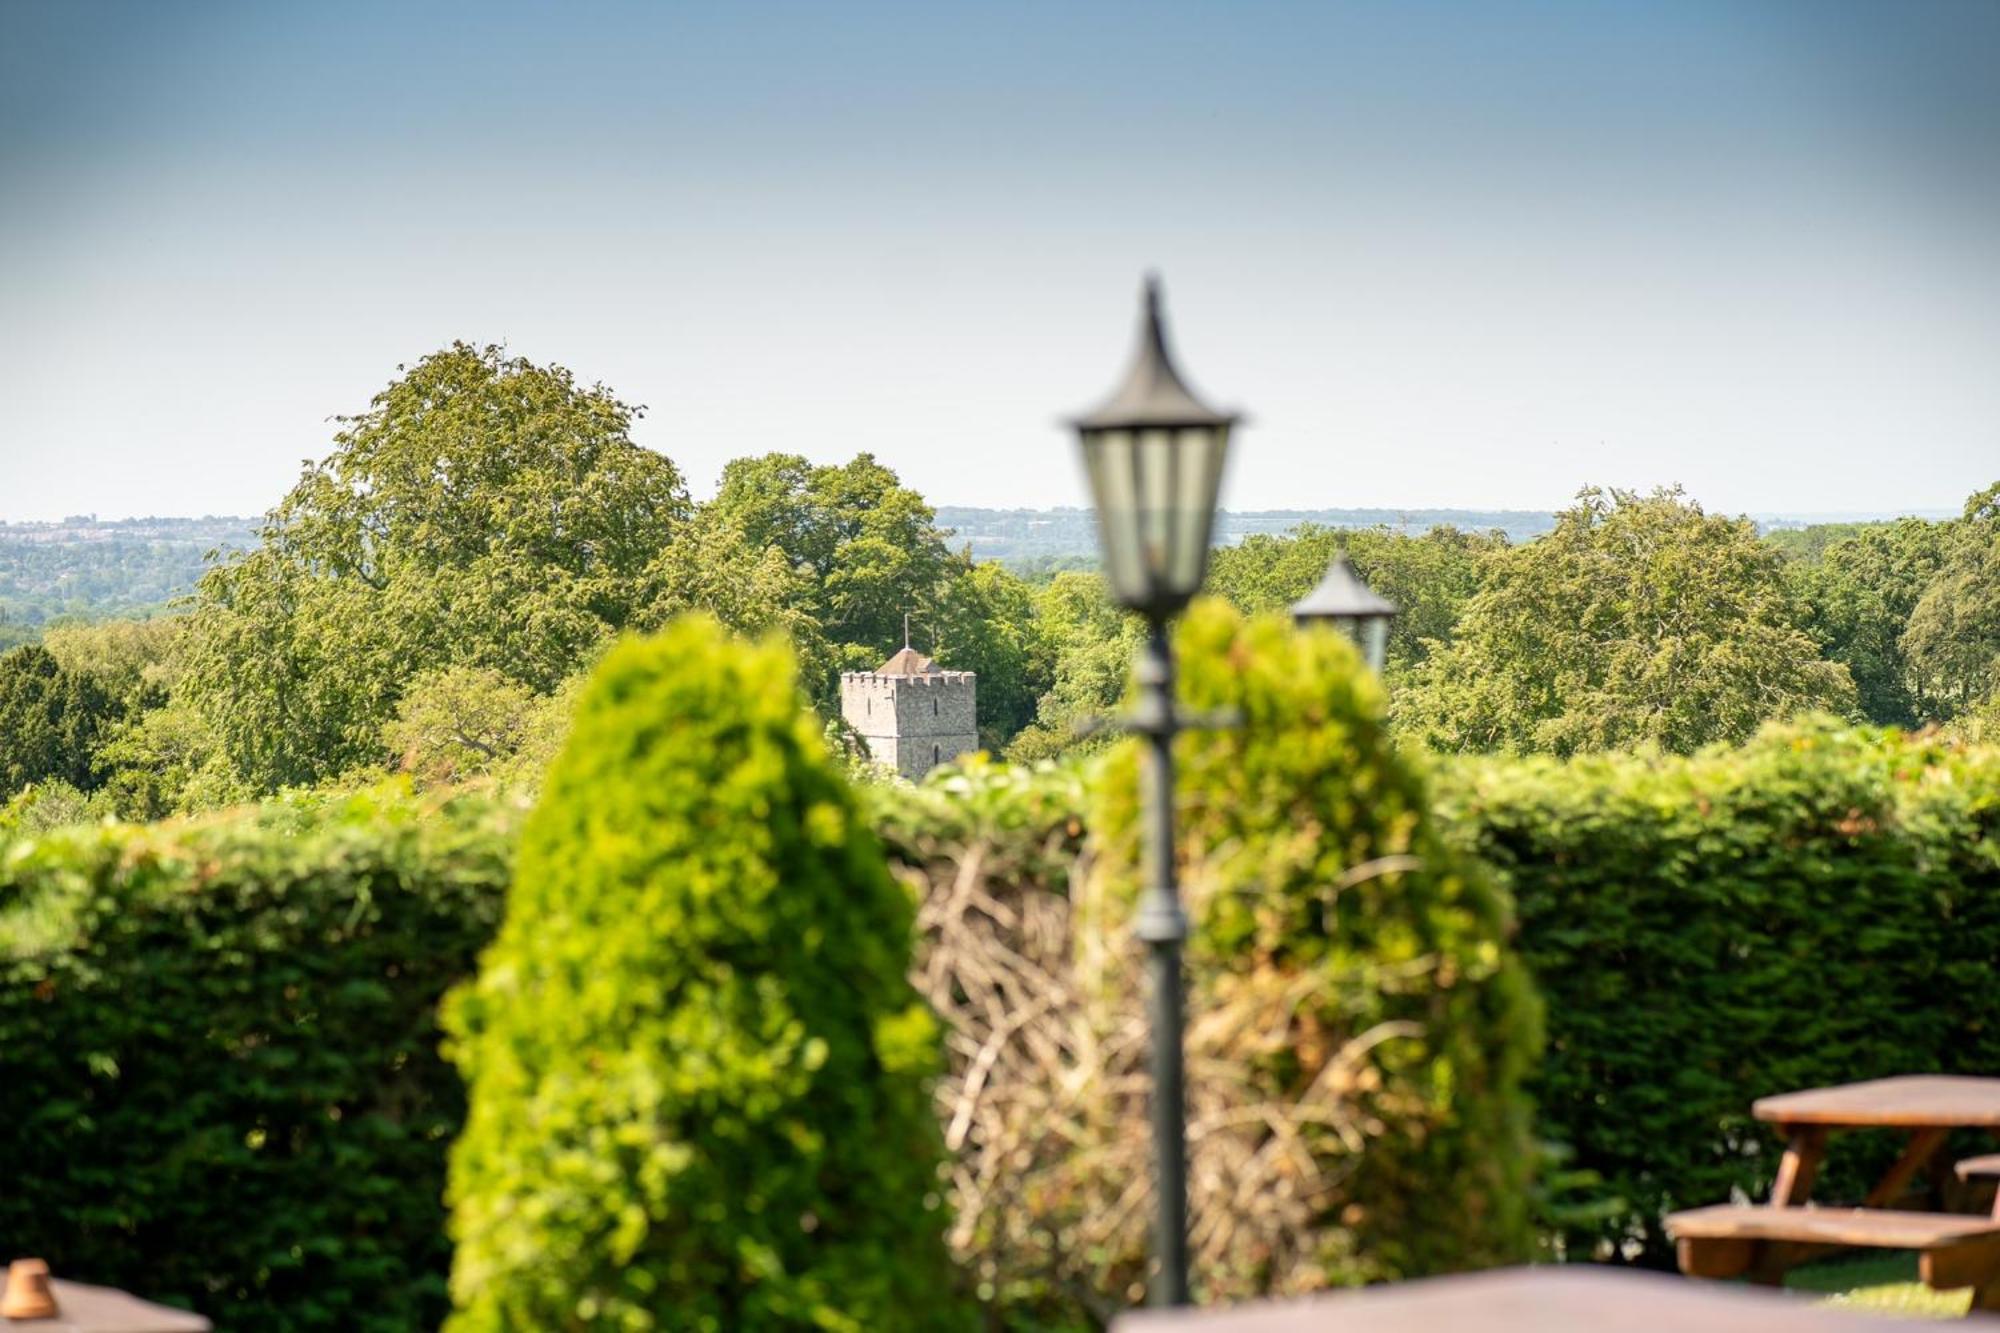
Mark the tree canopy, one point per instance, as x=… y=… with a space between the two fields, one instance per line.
x=1639 y=620
x=484 y=511
x=480 y=534
x=1429 y=576
x=1953 y=639
x=1856 y=595
x=50 y=720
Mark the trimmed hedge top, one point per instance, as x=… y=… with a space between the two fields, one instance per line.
x=219 y=1079
x=1820 y=906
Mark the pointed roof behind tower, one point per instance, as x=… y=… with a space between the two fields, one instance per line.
x=908 y=662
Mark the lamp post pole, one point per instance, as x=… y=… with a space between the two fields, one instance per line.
x=1163 y=926
x=1153 y=453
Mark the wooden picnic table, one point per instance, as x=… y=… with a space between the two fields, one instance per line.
x=1762 y=1241
x=1929 y=1106
x=1572 y=1298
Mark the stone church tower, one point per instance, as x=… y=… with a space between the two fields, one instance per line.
x=914 y=714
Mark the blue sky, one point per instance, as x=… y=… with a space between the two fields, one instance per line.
x=1473 y=254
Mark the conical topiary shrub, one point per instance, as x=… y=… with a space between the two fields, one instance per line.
x=698 y=1074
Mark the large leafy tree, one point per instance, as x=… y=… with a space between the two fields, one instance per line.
x=484 y=512
x=51 y=720
x=870 y=545
x=866 y=550
x=1857 y=592
x=987 y=622
x=1639 y=620
x=1953 y=637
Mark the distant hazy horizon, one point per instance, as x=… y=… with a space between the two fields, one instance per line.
x=1362 y=516
x=1475 y=255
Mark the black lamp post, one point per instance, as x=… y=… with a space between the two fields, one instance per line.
x=1154 y=455
x=1343 y=601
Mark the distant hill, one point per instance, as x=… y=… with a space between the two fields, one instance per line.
x=1037 y=536
x=94 y=569
x=1060 y=538
x=91 y=568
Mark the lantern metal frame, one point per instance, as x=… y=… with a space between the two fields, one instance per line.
x=1154 y=454
x=1345 y=602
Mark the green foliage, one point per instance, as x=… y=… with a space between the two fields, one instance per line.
x=483 y=512
x=168 y=760
x=1856 y=597
x=133 y=661
x=465 y=723
x=1953 y=638
x=51 y=721
x=712 y=567
x=218 y=1054
x=699 y=1075
x=1640 y=620
x=1091 y=644
x=1809 y=545
x=52 y=804
x=870 y=543
x=1321 y=883
x=1818 y=907
x=986 y=622
x=1429 y=577
x=863 y=549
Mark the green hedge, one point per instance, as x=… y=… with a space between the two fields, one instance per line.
x=219 y=1079
x=1820 y=906
x=218 y=1073
x=700 y=1077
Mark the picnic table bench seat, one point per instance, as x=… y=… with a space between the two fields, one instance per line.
x=1988 y=1165
x=1953 y=1250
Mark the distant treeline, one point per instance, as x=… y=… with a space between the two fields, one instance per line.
x=1033 y=538
x=86 y=568
x=426 y=597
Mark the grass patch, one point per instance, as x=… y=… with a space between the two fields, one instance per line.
x=1883 y=1283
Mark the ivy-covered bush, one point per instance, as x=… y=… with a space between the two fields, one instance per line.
x=1359 y=1029
x=1348 y=964
x=219 y=1078
x=699 y=1074
x=1820 y=906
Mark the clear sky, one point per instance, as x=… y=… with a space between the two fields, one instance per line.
x=1472 y=254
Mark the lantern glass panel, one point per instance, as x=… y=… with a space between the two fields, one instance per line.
x=1155 y=491
x=1375 y=641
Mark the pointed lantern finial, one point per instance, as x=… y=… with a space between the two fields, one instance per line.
x=1153 y=394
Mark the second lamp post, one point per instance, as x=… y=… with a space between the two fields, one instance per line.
x=1154 y=455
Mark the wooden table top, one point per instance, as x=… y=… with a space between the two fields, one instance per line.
x=1832 y=1226
x=1573 y=1298
x=82 y=1308
x=1912 y=1101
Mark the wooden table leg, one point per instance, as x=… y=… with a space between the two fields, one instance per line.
x=1923 y=1146
x=1797 y=1169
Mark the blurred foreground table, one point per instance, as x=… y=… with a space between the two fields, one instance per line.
x=1575 y=1298
x=82 y=1308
